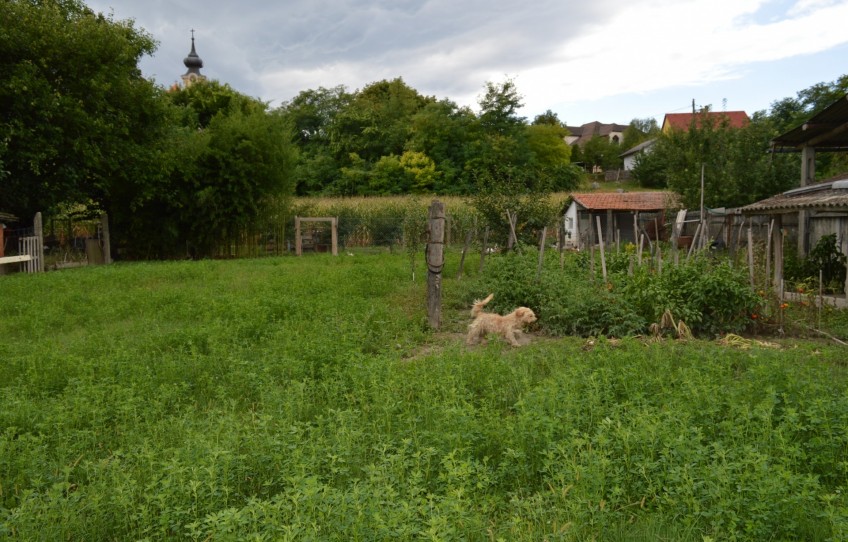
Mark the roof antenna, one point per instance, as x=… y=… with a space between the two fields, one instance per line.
x=724 y=104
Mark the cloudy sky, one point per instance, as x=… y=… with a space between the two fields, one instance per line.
x=587 y=60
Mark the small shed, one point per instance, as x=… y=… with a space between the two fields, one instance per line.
x=823 y=206
x=623 y=216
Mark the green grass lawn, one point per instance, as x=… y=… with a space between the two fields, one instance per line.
x=306 y=399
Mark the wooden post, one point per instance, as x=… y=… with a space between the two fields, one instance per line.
x=107 y=247
x=610 y=229
x=513 y=221
x=298 y=243
x=751 y=256
x=464 y=251
x=435 y=262
x=601 y=247
x=635 y=227
x=334 y=235
x=768 y=253
x=778 y=265
x=694 y=241
x=561 y=244
x=39 y=247
x=541 y=254
x=777 y=242
x=591 y=236
x=659 y=260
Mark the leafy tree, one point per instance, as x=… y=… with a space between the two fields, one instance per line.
x=204 y=100
x=548 y=118
x=639 y=131
x=552 y=157
x=503 y=189
x=77 y=119
x=216 y=179
x=547 y=142
x=600 y=151
x=737 y=166
x=447 y=134
x=499 y=107
x=376 y=122
x=312 y=113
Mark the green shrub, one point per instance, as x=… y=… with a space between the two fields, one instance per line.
x=710 y=296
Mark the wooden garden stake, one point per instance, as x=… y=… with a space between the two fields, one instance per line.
x=768 y=252
x=541 y=254
x=601 y=247
x=464 y=250
x=483 y=248
x=513 y=221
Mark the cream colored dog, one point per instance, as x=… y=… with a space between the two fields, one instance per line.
x=509 y=326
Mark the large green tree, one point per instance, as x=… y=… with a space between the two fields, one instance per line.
x=77 y=119
x=225 y=161
x=737 y=166
x=312 y=114
x=446 y=133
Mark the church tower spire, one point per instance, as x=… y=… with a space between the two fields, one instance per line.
x=193 y=63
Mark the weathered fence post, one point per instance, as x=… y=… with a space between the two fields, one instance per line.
x=435 y=262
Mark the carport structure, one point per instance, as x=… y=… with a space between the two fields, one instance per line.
x=826 y=131
x=822 y=208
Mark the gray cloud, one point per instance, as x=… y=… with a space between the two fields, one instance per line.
x=447 y=46
x=562 y=53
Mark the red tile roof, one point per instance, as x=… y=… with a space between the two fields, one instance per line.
x=627 y=201
x=682 y=121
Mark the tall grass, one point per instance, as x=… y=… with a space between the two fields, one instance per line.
x=305 y=399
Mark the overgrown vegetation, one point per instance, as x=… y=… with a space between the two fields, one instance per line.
x=304 y=398
x=824 y=266
x=709 y=295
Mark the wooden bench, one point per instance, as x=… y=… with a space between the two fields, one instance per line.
x=15 y=259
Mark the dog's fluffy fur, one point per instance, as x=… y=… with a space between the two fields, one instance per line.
x=508 y=327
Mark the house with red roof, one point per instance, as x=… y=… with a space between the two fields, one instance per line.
x=683 y=121
x=623 y=215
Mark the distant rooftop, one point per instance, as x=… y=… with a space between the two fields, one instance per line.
x=682 y=121
x=626 y=201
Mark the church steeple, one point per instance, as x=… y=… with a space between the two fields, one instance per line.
x=193 y=63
